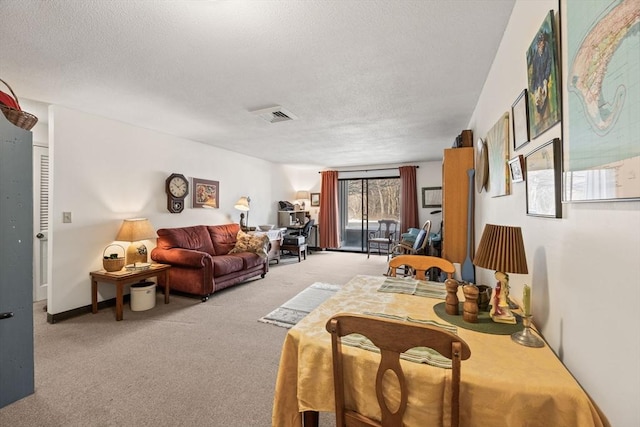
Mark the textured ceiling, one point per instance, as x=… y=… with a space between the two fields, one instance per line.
x=371 y=82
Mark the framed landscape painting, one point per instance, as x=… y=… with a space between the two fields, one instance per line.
x=542 y=72
x=601 y=100
x=206 y=193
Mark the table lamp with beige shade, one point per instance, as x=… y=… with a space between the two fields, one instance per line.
x=302 y=197
x=243 y=205
x=502 y=249
x=135 y=230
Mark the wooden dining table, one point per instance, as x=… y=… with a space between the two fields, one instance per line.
x=502 y=384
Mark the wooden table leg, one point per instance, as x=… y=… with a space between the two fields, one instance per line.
x=119 y=292
x=94 y=296
x=166 y=287
x=310 y=418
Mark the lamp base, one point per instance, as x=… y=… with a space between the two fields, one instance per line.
x=526 y=337
x=136 y=252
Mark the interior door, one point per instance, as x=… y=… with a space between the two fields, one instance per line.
x=16 y=263
x=40 y=221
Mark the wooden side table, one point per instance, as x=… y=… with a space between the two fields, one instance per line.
x=301 y=250
x=122 y=278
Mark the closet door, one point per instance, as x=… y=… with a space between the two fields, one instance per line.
x=16 y=263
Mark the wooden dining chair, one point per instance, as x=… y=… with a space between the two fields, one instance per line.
x=419 y=265
x=392 y=337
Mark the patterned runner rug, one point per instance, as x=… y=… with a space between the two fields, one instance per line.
x=294 y=310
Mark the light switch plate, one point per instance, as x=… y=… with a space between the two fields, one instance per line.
x=66 y=217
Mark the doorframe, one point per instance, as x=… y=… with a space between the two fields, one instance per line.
x=40 y=245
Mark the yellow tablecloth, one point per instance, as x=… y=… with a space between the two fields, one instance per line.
x=503 y=383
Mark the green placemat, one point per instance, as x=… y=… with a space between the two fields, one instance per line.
x=484 y=325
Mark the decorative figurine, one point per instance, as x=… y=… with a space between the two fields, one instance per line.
x=500 y=312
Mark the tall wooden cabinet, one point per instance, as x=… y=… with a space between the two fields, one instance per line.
x=455 y=195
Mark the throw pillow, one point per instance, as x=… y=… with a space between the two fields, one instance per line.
x=257 y=244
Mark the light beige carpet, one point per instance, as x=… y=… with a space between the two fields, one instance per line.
x=183 y=364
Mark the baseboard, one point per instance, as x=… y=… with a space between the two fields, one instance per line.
x=55 y=318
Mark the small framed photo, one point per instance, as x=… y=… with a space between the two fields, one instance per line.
x=206 y=194
x=431 y=197
x=543 y=168
x=315 y=199
x=516 y=166
x=520 y=120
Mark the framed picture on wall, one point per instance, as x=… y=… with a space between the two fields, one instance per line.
x=544 y=175
x=515 y=168
x=206 y=193
x=315 y=199
x=542 y=72
x=431 y=197
x=498 y=145
x=520 y=120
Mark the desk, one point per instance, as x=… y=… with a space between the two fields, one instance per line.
x=124 y=277
x=502 y=384
x=314 y=228
x=300 y=250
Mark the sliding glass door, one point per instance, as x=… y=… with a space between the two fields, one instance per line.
x=361 y=203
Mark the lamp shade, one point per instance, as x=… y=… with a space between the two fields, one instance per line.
x=136 y=229
x=502 y=249
x=243 y=203
x=302 y=195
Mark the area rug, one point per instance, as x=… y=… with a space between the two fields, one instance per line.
x=294 y=310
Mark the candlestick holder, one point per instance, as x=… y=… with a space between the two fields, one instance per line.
x=525 y=336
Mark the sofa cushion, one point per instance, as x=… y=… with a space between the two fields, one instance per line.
x=195 y=238
x=223 y=237
x=257 y=244
x=227 y=264
x=250 y=260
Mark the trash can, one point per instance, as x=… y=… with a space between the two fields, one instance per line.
x=143 y=296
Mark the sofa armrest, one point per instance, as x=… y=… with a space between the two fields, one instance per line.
x=181 y=257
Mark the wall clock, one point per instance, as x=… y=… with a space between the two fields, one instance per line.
x=177 y=188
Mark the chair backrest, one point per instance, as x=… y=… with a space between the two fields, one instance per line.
x=421 y=240
x=387 y=229
x=392 y=337
x=420 y=264
x=427 y=227
x=307 y=228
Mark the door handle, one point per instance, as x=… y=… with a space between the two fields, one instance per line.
x=39 y=235
x=6 y=315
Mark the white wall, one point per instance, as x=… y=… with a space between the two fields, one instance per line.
x=104 y=171
x=584 y=269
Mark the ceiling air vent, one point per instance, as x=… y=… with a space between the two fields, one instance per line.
x=274 y=114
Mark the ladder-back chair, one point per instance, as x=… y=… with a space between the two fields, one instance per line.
x=392 y=337
x=419 y=265
x=384 y=237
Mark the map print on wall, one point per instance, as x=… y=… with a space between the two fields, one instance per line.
x=602 y=100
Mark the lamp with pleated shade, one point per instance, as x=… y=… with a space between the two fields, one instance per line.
x=502 y=249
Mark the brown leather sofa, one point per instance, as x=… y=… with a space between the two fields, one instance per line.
x=200 y=260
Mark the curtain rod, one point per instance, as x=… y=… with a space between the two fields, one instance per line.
x=371 y=170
